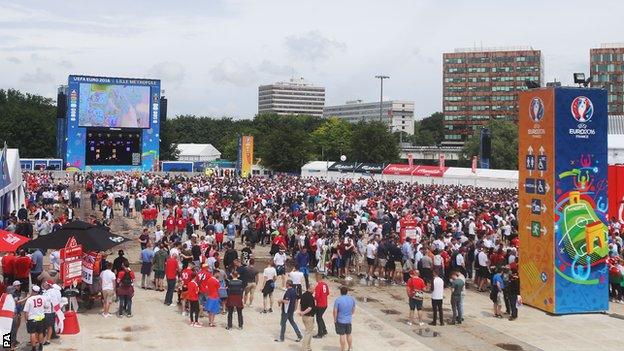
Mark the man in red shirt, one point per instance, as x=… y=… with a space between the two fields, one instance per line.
x=213 y=303
x=171 y=273
x=170 y=225
x=22 y=270
x=8 y=268
x=415 y=293
x=192 y=295
x=321 y=292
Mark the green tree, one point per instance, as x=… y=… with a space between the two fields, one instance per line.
x=429 y=131
x=168 y=148
x=332 y=139
x=284 y=141
x=28 y=122
x=504 y=145
x=373 y=142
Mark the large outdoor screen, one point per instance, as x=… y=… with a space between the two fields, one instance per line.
x=113 y=147
x=114 y=106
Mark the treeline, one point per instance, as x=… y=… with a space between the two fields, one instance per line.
x=28 y=122
x=284 y=143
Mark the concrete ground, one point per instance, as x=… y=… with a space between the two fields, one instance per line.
x=379 y=323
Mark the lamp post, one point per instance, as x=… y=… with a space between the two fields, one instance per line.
x=381 y=79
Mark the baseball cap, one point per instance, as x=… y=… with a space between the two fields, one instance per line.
x=16 y=283
x=36 y=288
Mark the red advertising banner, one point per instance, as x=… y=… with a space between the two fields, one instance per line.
x=71 y=263
x=399 y=169
x=616 y=192
x=429 y=171
x=90 y=260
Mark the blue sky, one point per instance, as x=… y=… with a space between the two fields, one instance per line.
x=211 y=55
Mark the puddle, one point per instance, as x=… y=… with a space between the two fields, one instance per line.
x=390 y=311
x=427 y=333
x=127 y=338
x=135 y=328
x=510 y=347
x=397 y=297
x=396 y=343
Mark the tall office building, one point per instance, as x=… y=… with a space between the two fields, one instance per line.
x=399 y=115
x=607 y=71
x=295 y=97
x=481 y=84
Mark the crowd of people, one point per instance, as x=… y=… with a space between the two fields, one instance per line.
x=200 y=235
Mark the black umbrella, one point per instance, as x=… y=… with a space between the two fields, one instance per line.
x=91 y=237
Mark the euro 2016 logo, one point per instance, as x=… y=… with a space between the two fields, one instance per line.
x=536 y=110
x=582 y=109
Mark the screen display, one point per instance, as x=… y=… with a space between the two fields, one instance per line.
x=114 y=106
x=113 y=147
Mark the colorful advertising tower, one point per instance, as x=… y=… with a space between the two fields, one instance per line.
x=562 y=161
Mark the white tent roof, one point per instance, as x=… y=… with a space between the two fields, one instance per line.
x=198 y=150
x=489 y=173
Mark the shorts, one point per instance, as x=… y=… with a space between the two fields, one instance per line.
x=159 y=274
x=213 y=305
x=343 y=328
x=268 y=288
x=390 y=265
x=383 y=262
x=415 y=304
x=281 y=270
x=250 y=288
x=483 y=272
x=107 y=296
x=49 y=320
x=499 y=298
x=35 y=327
x=370 y=261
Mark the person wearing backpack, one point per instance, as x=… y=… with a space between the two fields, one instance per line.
x=125 y=290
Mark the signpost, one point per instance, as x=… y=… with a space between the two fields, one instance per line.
x=71 y=263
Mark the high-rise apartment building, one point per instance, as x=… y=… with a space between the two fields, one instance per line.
x=607 y=71
x=295 y=97
x=399 y=115
x=481 y=84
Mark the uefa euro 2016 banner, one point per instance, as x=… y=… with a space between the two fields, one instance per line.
x=245 y=155
x=563 y=199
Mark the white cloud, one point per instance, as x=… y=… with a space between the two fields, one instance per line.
x=170 y=72
x=14 y=60
x=231 y=71
x=312 y=46
x=38 y=77
x=276 y=69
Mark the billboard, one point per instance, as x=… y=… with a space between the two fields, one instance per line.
x=245 y=154
x=113 y=106
x=112 y=124
x=563 y=199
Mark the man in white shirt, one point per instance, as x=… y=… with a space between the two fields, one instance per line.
x=158 y=234
x=437 y=296
x=107 y=278
x=34 y=314
x=297 y=278
x=280 y=260
x=269 y=275
x=371 y=254
x=54 y=298
x=483 y=271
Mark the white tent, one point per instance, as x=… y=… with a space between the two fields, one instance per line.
x=198 y=152
x=13 y=194
x=316 y=168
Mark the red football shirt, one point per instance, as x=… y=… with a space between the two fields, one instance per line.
x=186 y=275
x=192 y=293
x=212 y=286
x=320 y=294
x=171 y=268
x=415 y=284
x=22 y=267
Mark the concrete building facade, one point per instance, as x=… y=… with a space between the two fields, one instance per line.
x=295 y=97
x=397 y=114
x=482 y=84
x=607 y=71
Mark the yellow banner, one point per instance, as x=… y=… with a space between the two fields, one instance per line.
x=247 y=155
